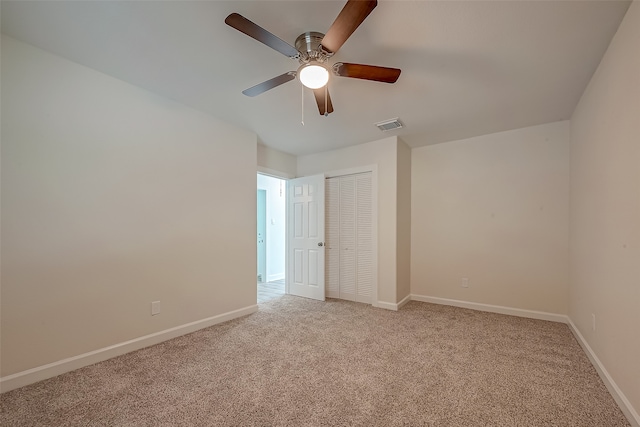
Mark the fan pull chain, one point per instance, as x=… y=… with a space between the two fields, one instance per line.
x=302 y=105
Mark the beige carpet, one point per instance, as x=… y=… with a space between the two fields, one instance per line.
x=299 y=362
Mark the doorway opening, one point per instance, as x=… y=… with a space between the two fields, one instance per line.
x=271 y=237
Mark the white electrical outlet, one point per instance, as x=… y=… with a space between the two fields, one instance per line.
x=465 y=282
x=593 y=321
x=155 y=308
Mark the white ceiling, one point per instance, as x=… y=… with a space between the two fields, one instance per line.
x=468 y=67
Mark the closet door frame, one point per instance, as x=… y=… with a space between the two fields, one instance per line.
x=374 y=217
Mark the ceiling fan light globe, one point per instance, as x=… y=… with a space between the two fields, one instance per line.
x=313 y=76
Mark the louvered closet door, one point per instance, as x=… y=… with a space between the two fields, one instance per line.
x=364 y=238
x=332 y=237
x=349 y=237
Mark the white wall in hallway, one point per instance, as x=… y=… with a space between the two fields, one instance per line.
x=276 y=225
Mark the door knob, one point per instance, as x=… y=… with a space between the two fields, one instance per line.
x=320 y=244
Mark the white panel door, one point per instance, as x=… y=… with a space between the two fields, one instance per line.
x=305 y=200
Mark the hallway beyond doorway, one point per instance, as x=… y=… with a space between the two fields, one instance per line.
x=270 y=290
x=271 y=237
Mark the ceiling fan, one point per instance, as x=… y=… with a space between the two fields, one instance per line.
x=313 y=50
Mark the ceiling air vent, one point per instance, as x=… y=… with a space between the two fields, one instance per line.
x=388 y=125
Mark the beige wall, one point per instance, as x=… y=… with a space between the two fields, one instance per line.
x=403 y=254
x=493 y=209
x=605 y=209
x=276 y=162
x=382 y=153
x=113 y=197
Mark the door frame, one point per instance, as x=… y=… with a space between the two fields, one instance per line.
x=286 y=177
x=374 y=216
x=264 y=237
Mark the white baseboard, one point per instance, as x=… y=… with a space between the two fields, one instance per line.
x=40 y=373
x=386 y=305
x=531 y=314
x=391 y=305
x=622 y=401
x=274 y=277
x=403 y=301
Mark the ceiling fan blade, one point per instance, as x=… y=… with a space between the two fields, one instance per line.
x=319 y=94
x=352 y=15
x=270 y=84
x=367 y=72
x=255 y=31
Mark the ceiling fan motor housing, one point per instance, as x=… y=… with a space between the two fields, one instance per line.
x=310 y=47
